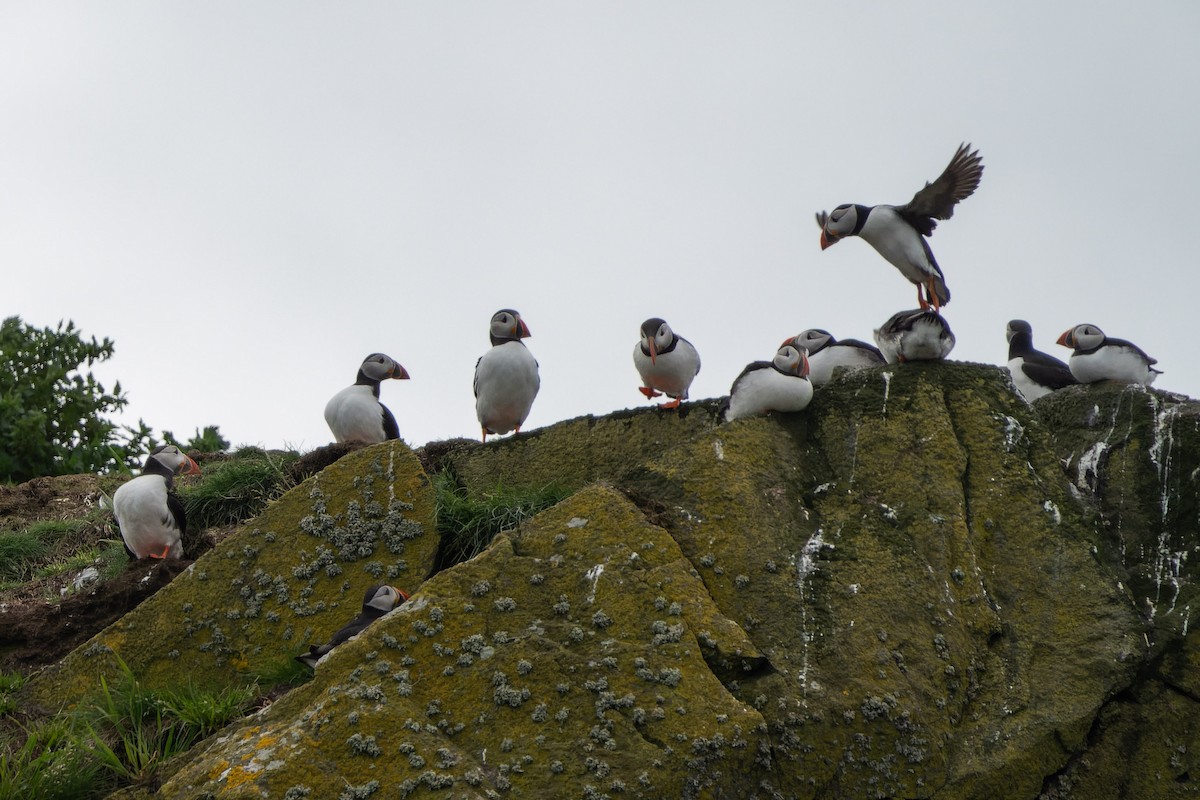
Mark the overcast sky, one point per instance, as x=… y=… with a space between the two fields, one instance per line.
x=249 y=197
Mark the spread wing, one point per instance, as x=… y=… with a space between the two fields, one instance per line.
x=937 y=200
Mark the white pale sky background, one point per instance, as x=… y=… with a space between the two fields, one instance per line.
x=249 y=197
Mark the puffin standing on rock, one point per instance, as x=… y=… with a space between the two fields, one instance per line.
x=898 y=232
x=506 y=376
x=1034 y=373
x=916 y=335
x=1101 y=358
x=667 y=362
x=148 y=512
x=780 y=384
x=377 y=601
x=355 y=414
x=826 y=353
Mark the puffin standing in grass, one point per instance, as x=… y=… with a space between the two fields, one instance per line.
x=1034 y=373
x=916 y=335
x=148 y=512
x=1101 y=358
x=377 y=601
x=355 y=414
x=506 y=376
x=898 y=232
x=825 y=354
x=776 y=385
x=667 y=362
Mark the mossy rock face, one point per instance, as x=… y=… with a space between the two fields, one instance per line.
x=1136 y=453
x=569 y=660
x=902 y=552
x=290 y=577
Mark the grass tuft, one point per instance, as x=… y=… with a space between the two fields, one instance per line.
x=236 y=490
x=467 y=523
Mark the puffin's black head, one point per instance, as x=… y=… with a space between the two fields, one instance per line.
x=377 y=367
x=657 y=336
x=845 y=220
x=167 y=460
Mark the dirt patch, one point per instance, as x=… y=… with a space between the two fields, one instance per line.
x=36 y=633
x=52 y=498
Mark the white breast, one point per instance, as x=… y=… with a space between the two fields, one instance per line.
x=1111 y=363
x=354 y=415
x=766 y=390
x=671 y=373
x=147 y=526
x=898 y=242
x=506 y=382
x=1029 y=390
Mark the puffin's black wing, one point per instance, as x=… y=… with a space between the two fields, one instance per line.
x=390 y=429
x=859 y=343
x=355 y=626
x=937 y=200
x=175 y=506
x=1046 y=370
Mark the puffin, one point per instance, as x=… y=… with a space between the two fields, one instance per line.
x=916 y=335
x=667 y=362
x=1101 y=358
x=506 y=376
x=780 y=384
x=825 y=353
x=355 y=414
x=148 y=512
x=1034 y=373
x=898 y=232
x=378 y=600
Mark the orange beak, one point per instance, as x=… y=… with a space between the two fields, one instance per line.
x=190 y=467
x=400 y=373
x=827 y=240
x=803 y=365
x=653 y=349
x=521 y=330
x=1068 y=338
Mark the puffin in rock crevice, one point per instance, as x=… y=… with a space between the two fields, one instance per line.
x=148 y=512
x=506 y=376
x=898 y=232
x=1102 y=358
x=1034 y=373
x=355 y=414
x=916 y=335
x=377 y=601
x=667 y=362
x=825 y=354
x=776 y=385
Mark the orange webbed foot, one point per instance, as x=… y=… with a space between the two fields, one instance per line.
x=650 y=393
x=673 y=404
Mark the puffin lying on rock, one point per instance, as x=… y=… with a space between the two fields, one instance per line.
x=776 y=385
x=377 y=601
x=898 y=232
x=667 y=362
x=148 y=512
x=825 y=354
x=916 y=335
x=1101 y=358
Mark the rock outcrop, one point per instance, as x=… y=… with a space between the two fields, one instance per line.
x=919 y=587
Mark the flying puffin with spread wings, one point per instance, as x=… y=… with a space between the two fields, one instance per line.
x=898 y=232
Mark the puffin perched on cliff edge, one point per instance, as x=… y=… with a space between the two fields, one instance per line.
x=355 y=414
x=667 y=362
x=506 y=376
x=915 y=335
x=148 y=512
x=1034 y=373
x=898 y=232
